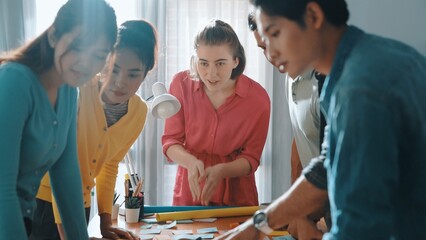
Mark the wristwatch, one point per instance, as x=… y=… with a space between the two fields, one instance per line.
x=260 y=220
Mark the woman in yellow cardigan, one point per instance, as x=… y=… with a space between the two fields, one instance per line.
x=106 y=129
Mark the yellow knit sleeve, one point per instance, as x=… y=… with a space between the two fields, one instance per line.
x=105 y=181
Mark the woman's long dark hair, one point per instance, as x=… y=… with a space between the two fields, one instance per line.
x=140 y=37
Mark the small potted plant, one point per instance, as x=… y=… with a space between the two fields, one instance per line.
x=132 y=205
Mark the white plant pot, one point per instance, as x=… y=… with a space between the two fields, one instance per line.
x=132 y=215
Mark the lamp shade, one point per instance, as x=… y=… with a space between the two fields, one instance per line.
x=164 y=105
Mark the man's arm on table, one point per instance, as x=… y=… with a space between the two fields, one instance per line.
x=305 y=197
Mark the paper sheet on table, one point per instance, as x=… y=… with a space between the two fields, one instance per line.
x=150 y=231
x=195 y=236
x=181 y=232
x=167 y=226
x=207 y=230
x=146 y=226
x=149 y=220
x=208 y=220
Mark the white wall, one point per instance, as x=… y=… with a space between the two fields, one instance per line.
x=403 y=20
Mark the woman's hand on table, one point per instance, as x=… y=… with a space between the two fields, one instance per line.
x=110 y=232
x=195 y=171
x=212 y=177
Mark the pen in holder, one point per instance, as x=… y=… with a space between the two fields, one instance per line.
x=133 y=188
x=139 y=194
x=133 y=176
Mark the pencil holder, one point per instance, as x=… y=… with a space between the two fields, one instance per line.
x=142 y=202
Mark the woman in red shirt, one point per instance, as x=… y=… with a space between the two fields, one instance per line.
x=218 y=136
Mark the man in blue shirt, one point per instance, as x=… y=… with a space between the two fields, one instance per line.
x=375 y=105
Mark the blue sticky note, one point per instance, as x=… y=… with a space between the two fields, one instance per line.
x=207 y=230
x=194 y=237
x=146 y=226
x=149 y=220
x=150 y=231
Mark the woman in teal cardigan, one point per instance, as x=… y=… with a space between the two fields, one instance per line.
x=38 y=121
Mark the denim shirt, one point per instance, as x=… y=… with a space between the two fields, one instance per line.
x=375 y=105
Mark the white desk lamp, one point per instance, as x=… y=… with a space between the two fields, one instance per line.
x=164 y=105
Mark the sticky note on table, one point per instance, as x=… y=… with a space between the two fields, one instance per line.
x=181 y=232
x=208 y=220
x=149 y=220
x=193 y=237
x=150 y=231
x=146 y=226
x=207 y=230
x=167 y=226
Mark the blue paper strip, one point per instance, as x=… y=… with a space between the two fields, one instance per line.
x=161 y=209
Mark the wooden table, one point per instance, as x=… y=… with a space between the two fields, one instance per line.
x=222 y=224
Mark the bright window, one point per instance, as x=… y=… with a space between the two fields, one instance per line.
x=46 y=11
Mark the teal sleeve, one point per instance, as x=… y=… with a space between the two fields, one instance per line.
x=363 y=167
x=67 y=187
x=15 y=104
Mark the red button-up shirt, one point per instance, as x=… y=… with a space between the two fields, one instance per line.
x=237 y=129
